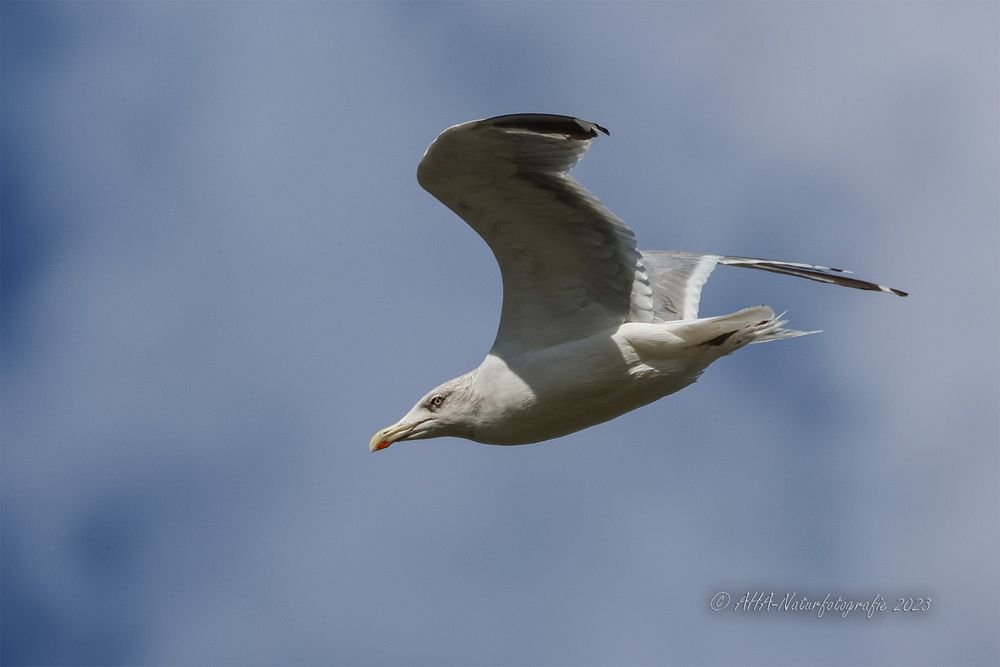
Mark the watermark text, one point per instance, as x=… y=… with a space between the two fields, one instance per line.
x=830 y=604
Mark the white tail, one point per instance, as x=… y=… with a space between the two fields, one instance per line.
x=774 y=330
x=750 y=325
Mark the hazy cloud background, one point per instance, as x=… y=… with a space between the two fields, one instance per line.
x=220 y=277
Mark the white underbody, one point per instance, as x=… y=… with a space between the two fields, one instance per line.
x=549 y=392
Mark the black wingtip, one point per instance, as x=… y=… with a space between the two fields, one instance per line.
x=548 y=123
x=823 y=274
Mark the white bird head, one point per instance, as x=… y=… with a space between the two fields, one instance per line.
x=447 y=410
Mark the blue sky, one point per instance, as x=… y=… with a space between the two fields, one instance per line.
x=220 y=277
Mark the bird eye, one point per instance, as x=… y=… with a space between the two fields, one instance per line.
x=436 y=401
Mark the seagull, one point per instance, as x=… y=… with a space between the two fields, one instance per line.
x=591 y=327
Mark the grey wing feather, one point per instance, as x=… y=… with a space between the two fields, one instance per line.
x=570 y=267
x=823 y=274
x=677 y=278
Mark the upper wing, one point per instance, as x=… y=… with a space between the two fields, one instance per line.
x=570 y=267
x=677 y=278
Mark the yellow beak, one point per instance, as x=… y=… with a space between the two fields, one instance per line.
x=389 y=435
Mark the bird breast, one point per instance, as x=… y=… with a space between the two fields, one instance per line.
x=546 y=393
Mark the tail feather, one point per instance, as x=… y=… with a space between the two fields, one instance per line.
x=750 y=325
x=774 y=330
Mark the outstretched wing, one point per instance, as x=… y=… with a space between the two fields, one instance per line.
x=570 y=267
x=677 y=278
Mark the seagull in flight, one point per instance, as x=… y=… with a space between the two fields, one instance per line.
x=591 y=327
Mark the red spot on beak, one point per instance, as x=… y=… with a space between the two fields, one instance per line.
x=381 y=445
